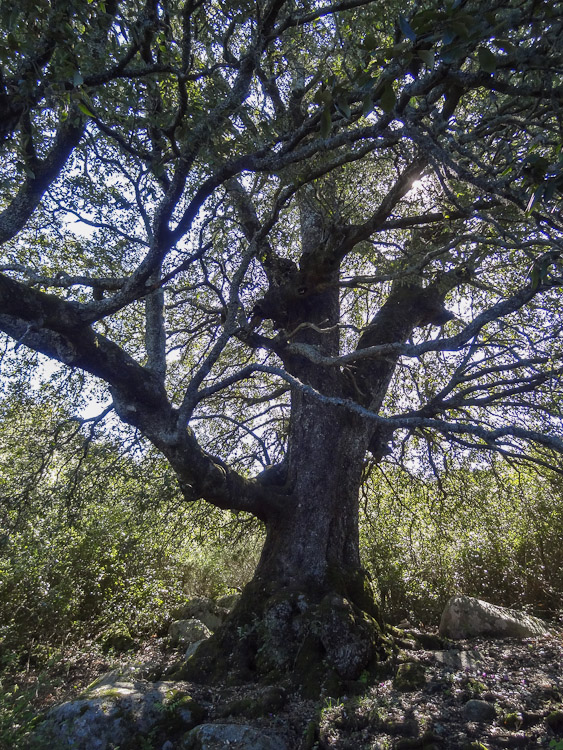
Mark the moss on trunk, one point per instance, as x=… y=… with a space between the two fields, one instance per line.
x=313 y=639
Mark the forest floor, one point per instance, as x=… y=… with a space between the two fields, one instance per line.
x=502 y=693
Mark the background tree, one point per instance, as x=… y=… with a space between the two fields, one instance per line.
x=288 y=236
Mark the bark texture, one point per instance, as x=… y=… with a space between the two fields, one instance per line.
x=309 y=614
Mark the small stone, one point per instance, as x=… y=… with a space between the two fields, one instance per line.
x=458 y=660
x=476 y=710
x=186 y=632
x=220 y=736
x=410 y=676
x=516 y=740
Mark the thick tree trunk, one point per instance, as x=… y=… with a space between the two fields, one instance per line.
x=319 y=529
x=309 y=613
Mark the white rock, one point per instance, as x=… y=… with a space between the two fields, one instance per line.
x=201 y=608
x=228 y=601
x=466 y=617
x=185 y=632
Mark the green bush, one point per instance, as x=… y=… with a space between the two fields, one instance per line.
x=17 y=715
x=109 y=567
x=490 y=532
x=96 y=533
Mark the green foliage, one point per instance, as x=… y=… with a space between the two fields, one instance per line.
x=109 y=566
x=220 y=566
x=492 y=532
x=95 y=544
x=59 y=574
x=95 y=534
x=17 y=715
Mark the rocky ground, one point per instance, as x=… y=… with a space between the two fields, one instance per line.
x=503 y=693
x=476 y=694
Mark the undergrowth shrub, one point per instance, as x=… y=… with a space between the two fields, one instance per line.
x=110 y=567
x=96 y=533
x=221 y=567
x=493 y=532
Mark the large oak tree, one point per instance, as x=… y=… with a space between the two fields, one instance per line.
x=287 y=236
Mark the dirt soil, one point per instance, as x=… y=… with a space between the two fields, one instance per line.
x=474 y=694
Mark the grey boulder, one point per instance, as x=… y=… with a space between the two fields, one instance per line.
x=117 y=711
x=229 y=601
x=466 y=617
x=192 y=648
x=210 y=613
x=239 y=736
x=476 y=710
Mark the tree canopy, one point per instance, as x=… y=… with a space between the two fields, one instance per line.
x=286 y=234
